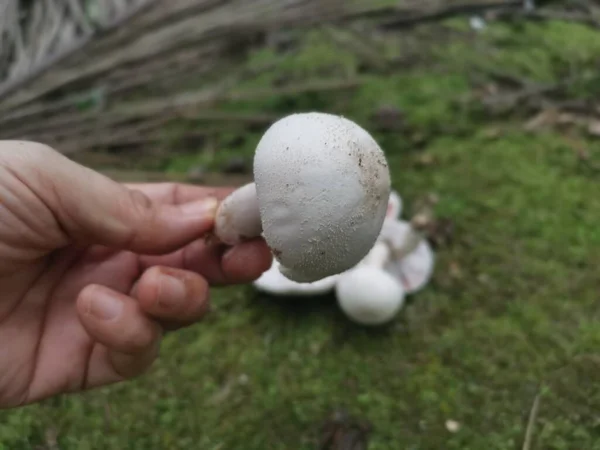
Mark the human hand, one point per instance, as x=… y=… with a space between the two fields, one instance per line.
x=92 y=272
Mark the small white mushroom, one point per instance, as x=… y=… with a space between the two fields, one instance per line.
x=368 y=294
x=403 y=240
x=411 y=258
x=319 y=197
x=394 y=206
x=274 y=283
x=400 y=263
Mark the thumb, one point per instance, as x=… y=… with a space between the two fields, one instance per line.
x=93 y=209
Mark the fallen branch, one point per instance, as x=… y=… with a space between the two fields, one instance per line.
x=68 y=45
x=532 y=96
x=101 y=132
x=542 y=15
x=198 y=64
x=202 y=98
x=413 y=13
x=80 y=131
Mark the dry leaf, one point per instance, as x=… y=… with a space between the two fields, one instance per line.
x=441 y=232
x=452 y=426
x=492 y=133
x=342 y=432
x=455 y=270
x=426 y=160
x=594 y=128
x=544 y=119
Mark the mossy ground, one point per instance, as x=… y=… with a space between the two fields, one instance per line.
x=513 y=310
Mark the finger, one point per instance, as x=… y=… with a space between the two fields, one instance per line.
x=116 y=321
x=172 y=295
x=222 y=265
x=218 y=264
x=246 y=262
x=93 y=209
x=179 y=193
x=108 y=366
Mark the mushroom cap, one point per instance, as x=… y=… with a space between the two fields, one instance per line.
x=273 y=282
x=323 y=186
x=369 y=296
x=414 y=270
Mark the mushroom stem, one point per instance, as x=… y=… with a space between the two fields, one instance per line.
x=238 y=216
x=411 y=242
x=379 y=255
x=413 y=238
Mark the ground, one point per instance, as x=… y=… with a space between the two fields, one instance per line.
x=511 y=315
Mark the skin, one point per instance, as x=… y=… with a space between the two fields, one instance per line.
x=94 y=272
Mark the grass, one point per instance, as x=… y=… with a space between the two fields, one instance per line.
x=512 y=311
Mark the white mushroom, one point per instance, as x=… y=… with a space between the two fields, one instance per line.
x=394 y=206
x=400 y=263
x=274 y=283
x=411 y=258
x=367 y=294
x=319 y=197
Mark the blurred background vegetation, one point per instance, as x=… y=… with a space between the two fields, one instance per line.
x=493 y=106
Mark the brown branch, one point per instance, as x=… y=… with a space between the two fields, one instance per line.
x=94 y=133
x=159 y=14
x=64 y=113
x=202 y=98
x=541 y=15
x=120 y=82
x=69 y=47
x=416 y=12
x=532 y=95
x=193 y=102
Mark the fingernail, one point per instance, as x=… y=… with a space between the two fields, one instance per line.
x=206 y=207
x=105 y=306
x=171 y=292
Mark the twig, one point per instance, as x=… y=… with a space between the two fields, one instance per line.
x=539 y=14
x=531 y=423
x=207 y=97
x=94 y=132
x=506 y=102
x=423 y=11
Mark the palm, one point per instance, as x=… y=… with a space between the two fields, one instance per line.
x=54 y=352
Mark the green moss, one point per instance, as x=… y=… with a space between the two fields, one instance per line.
x=314 y=55
x=541 y=51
